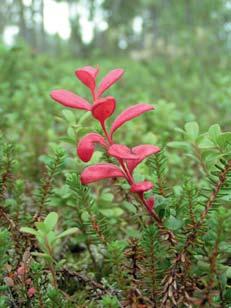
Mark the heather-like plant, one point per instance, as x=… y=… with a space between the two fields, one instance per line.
x=127 y=158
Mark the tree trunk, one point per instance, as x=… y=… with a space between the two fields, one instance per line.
x=42 y=31
x=33 y=32
x=22 y=22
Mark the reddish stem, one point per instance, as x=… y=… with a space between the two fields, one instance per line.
x=130 y=180
x=106 y=133
x=169 y=236
x=125 y=169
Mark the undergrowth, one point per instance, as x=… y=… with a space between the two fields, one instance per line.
x=99 y=247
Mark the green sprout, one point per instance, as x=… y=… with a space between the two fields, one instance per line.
x=48 y=238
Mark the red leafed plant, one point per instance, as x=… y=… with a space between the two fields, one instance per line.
x=128 y=158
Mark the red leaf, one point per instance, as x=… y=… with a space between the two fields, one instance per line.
x=128 y=114
x=109 y=80
x=142 y=151
x=86 y=146
x=150 y=203
x=99 y=172
x=141 y=186
x=122 y=151
x=87 y=76
x=104 y=108
x=70 y=99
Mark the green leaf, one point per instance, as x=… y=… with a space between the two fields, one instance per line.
x=192 y=130
x=51 y=237
x=41 y=239
x=113 y=212
x=51 y=220
x=68 y=232
x=28 y=230
x=214 y=131
x=107 y=197
x=205 y=143
x=224 y=140
x=129 y=207
x=178 y=145
x=84 y=117
x=173 y=223
x=42 y=227
x=85 y=216
x=69 y=116
x=226 y=198
x=71 y=133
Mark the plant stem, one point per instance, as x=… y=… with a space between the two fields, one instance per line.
x=51 y=265
x=106 y=133
x=53 y=273
x=169 y=236
x=212 y=197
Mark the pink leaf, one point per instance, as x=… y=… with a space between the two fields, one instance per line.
x=31 y=292
x=87 y=76
x=109 y=80
x=122 y=152
x=128 y=114
x=141 y=186
x=99 y=172
x=70 y=99
x=150 y=203
x=104 y=108
x=22 y=270
x=142 y=151
x=86 y=146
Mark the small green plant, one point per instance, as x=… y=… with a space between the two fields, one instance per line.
x=48 y=240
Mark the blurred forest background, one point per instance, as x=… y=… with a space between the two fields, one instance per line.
x=138 y=28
